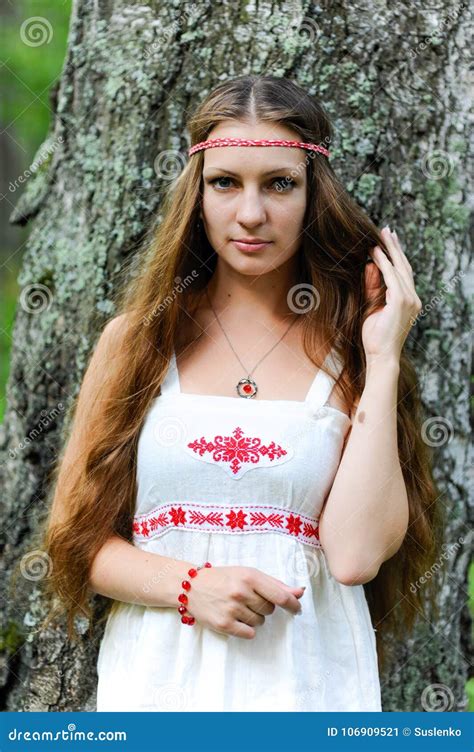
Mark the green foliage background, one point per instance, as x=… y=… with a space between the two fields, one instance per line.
x=27 y=75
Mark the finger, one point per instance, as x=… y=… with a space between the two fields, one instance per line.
x=403 y=255
x=248 y=616
x=280 y=596
x=392 y=278
x=260 y=605
x=411 y=275
x=239 y=629
x=406 y=282
x=399 y=260
x=289 y=587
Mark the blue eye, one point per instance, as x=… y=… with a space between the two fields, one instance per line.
x=215 y=180
x=285 y=184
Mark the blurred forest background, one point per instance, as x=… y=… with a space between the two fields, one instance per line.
x=29 y=76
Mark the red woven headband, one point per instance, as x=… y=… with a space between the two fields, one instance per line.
x=213 y=142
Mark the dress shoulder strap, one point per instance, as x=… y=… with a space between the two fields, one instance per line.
x=322 y=385
x=170 y=384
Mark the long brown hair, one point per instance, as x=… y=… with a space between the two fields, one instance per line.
x=159 y=302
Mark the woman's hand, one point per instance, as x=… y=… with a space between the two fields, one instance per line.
x=234 y=600
x=385 y=331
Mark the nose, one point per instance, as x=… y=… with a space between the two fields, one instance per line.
x=251 y=209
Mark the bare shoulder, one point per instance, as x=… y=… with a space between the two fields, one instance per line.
x=113 y=334
x=117 y=326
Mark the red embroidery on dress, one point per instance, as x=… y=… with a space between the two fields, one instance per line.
x=237 y=449
x=226 y=519
x=274 y=520
x=310 y=530
x=177 y=516
x=237 y=520
x=154 y=522
x=294 y=524
x=198 y=518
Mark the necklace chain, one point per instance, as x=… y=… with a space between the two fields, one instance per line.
x=248 y=384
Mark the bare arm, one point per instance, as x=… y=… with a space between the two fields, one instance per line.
x=126 y=573
x=366 y=515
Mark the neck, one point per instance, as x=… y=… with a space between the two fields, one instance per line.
x=247 y=297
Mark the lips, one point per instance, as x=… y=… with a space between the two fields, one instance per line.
x=251 y=246
x=251 y=241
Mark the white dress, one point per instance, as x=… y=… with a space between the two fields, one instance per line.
x=241 y=482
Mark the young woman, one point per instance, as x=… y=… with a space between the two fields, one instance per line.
x=246 y=454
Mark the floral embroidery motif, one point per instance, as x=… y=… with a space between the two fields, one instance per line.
x=226 y=519
x=238 y=452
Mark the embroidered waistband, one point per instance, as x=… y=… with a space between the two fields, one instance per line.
x=232 y=519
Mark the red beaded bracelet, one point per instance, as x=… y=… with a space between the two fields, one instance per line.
x=183 y=598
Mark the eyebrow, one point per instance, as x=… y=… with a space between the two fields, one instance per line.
x=236 y=175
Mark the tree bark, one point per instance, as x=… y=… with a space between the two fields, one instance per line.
x=393 y=83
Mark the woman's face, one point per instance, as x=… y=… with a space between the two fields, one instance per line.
x=254 y=201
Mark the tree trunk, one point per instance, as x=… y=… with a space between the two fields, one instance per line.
x=393 y=83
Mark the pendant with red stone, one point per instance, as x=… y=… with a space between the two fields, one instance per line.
x=247 y=388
